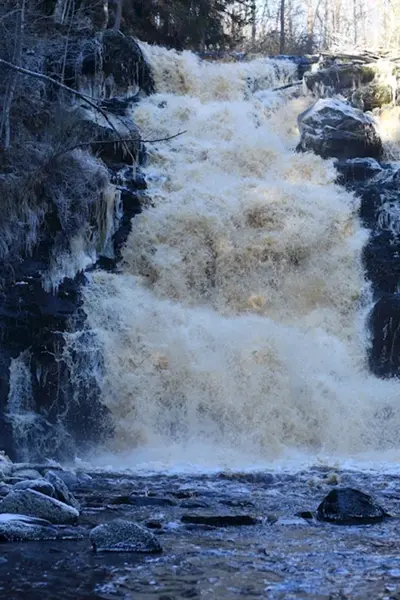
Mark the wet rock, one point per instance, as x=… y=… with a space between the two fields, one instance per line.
x=133 y=500
x=35 y=504
x=338 y=78
x=39 y=485
x=107 y=130
x=27 y=473
x=356 y=170
x=305 y=514
x=334 y=129
x=62 y=492
x=154 y=524
x=5 y=489
x=123 y=536
x=373 y=96
x=347 y=506
x=220 y=520
x=382 y=261
x=194 y=504
x=21 y=528
x=384 y=323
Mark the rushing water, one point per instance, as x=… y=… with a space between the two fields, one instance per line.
x=234 y=332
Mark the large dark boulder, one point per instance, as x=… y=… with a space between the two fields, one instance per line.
x=334 y=129
x=347 y=506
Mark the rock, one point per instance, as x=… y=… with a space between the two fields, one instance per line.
x=35 y=504
x=123 y=536
x=39 y=485
x=21 y=528
x=106 y=130
x=144 y=501
x=332 y=128
x=194 y=504
x=338 y=78
x=27 y=473
x=62 y=492
x=384 y=322
x=220 y=520
x=5 y=489
x=356 y=170
x=382 y=261
x=347 y=506
x=373 y=96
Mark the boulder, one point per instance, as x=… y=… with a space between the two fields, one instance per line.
x=21 y=528
x=39 y=485
x=35 y=504
x=334 y=129
x=347 y=506
x=61 y=491
x=123 y=536
x=338 y=78
x=372 y=96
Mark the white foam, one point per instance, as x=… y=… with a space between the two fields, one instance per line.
x=235 y=334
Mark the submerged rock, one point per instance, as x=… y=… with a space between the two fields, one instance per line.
x=220 y=520
x=123 y=536
x=35 y=504
x=21 y=528
x=62 y=492
x=347 y=506
x=334 y=129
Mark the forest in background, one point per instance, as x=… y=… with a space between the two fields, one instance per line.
x=269 y=26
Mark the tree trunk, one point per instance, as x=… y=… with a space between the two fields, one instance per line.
x=118 y=15
x=253 y=22
x=5 y=130
x=310 y=27
x=282 y=32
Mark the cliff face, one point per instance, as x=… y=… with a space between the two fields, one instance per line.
x=69 y=187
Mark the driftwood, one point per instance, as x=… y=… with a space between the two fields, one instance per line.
x=287 y=85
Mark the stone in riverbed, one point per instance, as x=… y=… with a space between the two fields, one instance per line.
x=334 y=129
x=347 y=506
x=21 y=528
x=123 y=536
x=220 y=520
x=27 y=473
x=35 y=504
x=39 y=485
x=62 y=492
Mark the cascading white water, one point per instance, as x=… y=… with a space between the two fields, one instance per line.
x=235 y=329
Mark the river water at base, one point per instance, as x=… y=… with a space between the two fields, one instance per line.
x=282 y=557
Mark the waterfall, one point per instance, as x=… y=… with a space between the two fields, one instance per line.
x=234 y=331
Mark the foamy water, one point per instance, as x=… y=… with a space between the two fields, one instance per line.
x=234 y=334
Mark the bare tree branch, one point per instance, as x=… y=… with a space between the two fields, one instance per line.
x=125 y=140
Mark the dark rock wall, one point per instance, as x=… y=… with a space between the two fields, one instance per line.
x=46 y=409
